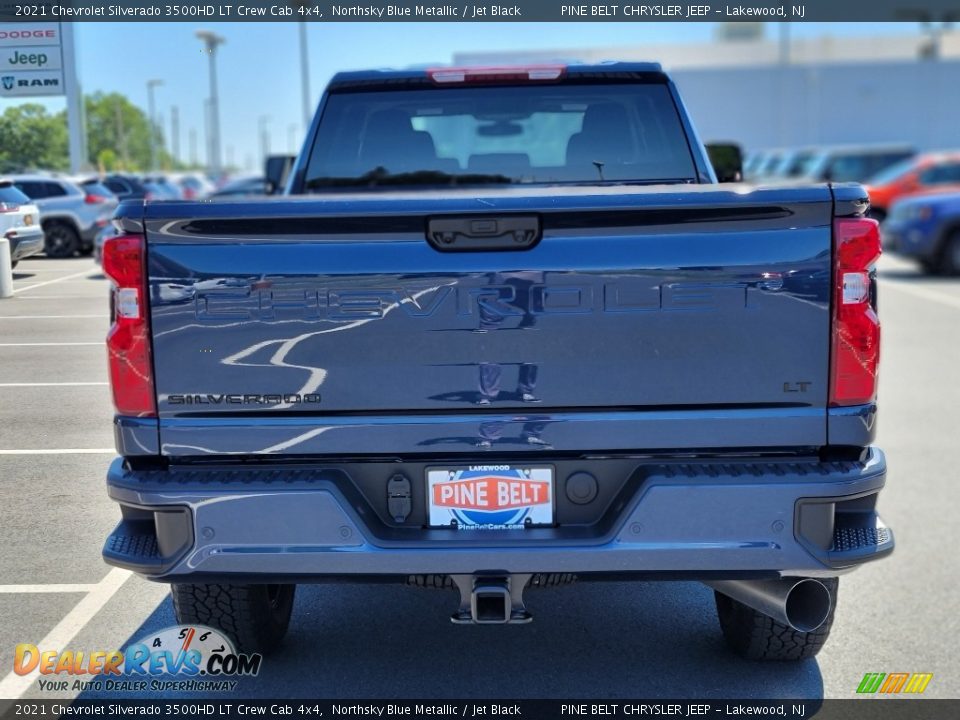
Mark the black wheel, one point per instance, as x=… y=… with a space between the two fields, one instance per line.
x=255 y=617
x=930 y=267
x=60 y=240
x=950 y=254
x=86 y=251
x=756 y=636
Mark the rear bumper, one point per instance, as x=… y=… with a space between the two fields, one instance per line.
x=24 y=244
x=704 y=519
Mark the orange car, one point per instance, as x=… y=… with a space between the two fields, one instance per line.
x=930 y=172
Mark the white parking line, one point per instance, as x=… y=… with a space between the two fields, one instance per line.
x=13 y=686
x=56 y=280
x=62 y=451
x=50 y=317
x=43 y=384
x=63 y=344
x=99 y=297
x=53 y=588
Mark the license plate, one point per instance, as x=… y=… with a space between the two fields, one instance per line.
x=490 y=497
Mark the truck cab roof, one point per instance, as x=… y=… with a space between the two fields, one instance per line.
x=393 y=75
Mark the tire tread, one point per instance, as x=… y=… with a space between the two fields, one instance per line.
x=242 y=612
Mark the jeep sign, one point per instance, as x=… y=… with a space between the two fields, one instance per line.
x=31 y=60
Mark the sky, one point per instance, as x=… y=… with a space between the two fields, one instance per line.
x=259 y=65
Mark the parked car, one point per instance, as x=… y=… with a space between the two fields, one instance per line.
x=927 y=229
x=71 y=215
x=751 y=162
x=163 y=187
x=241 y=187
x=768 y=163
x=108 y=231
x=19 y=222
x=927 y=173
x=127 y=187
x=193 y=186
x=794 y=163
x=692 y=393
x=848 y=163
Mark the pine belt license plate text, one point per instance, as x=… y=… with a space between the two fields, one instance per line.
x=490 y=497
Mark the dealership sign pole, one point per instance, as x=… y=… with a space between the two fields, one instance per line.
x=39 y=60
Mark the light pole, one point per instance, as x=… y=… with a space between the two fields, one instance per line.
x=305 y=78
x=211 y=40
x=292 y=138
x=175 y=133
x=264 y=138
x=151 y=108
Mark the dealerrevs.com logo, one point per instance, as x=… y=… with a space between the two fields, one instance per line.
x=177 y=658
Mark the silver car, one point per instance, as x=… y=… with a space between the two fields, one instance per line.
x=72 y=214
x=19 y=222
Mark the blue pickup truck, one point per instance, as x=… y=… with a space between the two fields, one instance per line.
x=502 y=330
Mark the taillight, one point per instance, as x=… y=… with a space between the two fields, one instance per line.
x=856 y=328
x=8 y=207
x=94 y=199
x=541 y=73
x=128 y=342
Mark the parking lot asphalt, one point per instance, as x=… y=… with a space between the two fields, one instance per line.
x=611 y=640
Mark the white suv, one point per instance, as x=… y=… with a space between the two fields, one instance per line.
x=19 y=222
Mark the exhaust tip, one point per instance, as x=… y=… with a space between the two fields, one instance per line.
x=808 y=605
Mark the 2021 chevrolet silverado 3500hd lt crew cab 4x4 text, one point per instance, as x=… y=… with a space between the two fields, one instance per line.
x=502 y=330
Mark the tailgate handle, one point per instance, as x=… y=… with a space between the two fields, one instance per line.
x=479 y=233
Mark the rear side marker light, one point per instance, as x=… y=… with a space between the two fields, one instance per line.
x=855 y=351
x=128 y=341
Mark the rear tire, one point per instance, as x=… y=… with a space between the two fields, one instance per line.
x=950 y=254
x=930 y=267
x=756 y=636
x=86 y=251
x=60 y=240
x=255 y=617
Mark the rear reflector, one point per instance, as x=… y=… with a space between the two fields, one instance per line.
x=535 y=73
x=855 y=353
x=128 y=341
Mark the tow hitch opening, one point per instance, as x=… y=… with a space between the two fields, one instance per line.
x=491 y=599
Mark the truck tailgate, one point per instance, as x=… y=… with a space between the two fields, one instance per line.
x=275 y=322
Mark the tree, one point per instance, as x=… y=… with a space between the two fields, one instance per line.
x=32 y=139
x=118 y=137
x=117 y=125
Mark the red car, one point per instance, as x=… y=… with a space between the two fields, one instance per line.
x=930 y=172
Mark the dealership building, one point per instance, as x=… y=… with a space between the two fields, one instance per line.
x=774 y=92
